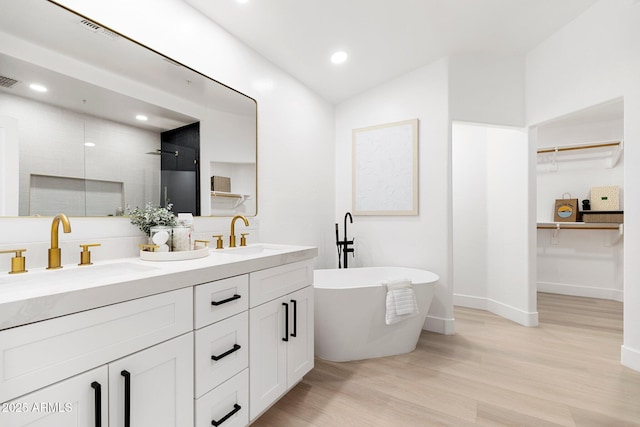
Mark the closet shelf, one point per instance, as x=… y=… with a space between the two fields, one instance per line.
x=237 y=199
x=613 y=150
x=557 y=226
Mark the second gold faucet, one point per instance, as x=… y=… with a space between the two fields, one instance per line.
x=232 y=237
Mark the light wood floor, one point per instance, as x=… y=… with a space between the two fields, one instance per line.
x=492 y=372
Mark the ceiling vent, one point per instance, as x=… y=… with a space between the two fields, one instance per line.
x=7 y=82
x=95 y=28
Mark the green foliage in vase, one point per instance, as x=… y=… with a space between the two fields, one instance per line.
x=151 y=216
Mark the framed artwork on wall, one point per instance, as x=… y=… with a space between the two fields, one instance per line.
x=385 y=169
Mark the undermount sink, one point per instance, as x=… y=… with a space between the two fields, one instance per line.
x=254 y=249
x=75 y=273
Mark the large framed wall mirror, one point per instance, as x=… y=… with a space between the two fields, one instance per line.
x=93 y=123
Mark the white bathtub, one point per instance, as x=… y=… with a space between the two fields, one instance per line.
x=350 y=307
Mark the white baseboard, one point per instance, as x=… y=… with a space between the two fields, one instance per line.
x=514 y=314
x=524 y=318
x=470 y=301
x=581 y=291
x=630 y=358
x=439 y=325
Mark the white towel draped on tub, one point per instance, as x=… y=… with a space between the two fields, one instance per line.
x=401 y=301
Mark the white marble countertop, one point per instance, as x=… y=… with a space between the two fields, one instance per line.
x=42 y=294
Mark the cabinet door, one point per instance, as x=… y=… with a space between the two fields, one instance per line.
x=267 y=358
x=153 y=387
x=300 y=345
x=80 y=401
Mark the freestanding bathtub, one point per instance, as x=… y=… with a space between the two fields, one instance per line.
x=350 y=307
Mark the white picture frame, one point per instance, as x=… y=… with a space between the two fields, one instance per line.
x=385 y=169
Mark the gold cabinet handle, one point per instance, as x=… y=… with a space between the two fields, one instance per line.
x=243 y=239
x=85 y=255
x=18 y=262
x=219 y=244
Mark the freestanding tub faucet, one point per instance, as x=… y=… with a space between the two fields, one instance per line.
x=343 y=245
x=54 y=251
x=232 y=236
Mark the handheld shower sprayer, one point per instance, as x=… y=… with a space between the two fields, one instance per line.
x=338 y=246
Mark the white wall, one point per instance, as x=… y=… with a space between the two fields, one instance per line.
x=295 y=136
x=470 y=206
x=487 y=89
x=422 y=241
x=594 y=59
x=491 y=236
x=509 y=224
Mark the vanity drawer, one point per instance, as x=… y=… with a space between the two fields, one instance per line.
x=229 y=341
x=272 y=283
x=231 y=397
x=39 y=354
x=231 y=296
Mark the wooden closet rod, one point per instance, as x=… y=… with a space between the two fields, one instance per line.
x=595 y=227
x=584 y=147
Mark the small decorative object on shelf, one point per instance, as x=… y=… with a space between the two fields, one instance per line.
x=606 y=198
x=566 y=209
x=221 y=183
x=152 y=215
x=586 y=205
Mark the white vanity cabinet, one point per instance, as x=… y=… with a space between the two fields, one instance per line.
x=280 y=331
x=63 y=362
x=216 y=343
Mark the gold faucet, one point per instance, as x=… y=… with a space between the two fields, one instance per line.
x=232 y=237
x=54 y=251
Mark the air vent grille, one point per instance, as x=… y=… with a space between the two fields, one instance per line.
x=7 y=82
x=95 y=28
x=90 y=25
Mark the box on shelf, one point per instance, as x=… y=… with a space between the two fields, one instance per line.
x=605 y=198
x=221 y=183
x=603 y=216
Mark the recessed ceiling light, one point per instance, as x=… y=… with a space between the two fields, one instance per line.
x=339 y=57
x=142 y=117
x=37 y=87
x=89 y=144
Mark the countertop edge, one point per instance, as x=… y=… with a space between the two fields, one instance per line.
x=44 y=307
